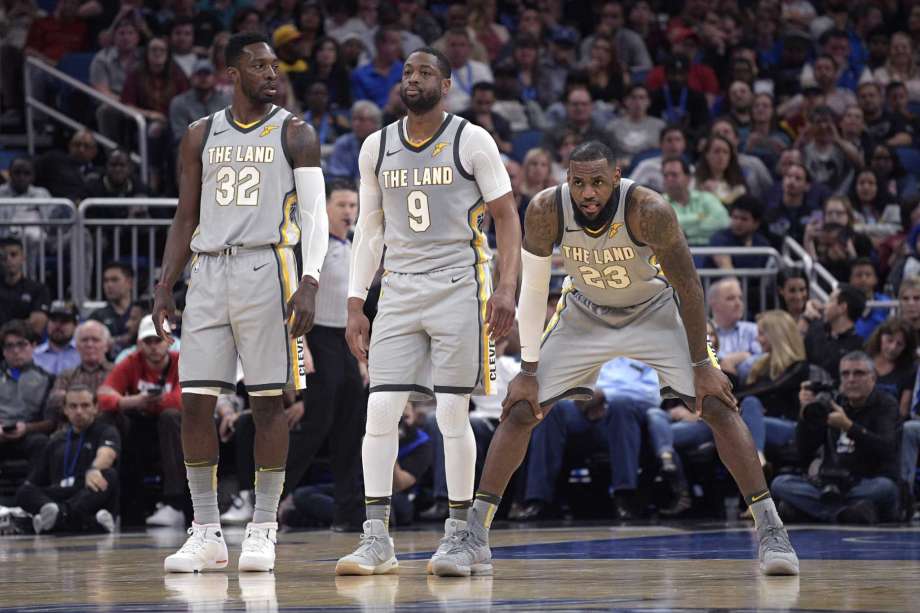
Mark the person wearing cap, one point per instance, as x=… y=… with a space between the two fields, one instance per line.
x=289 y=46
x=143 y=398
x=59 y=352
x=201 y=100
x=685 y=44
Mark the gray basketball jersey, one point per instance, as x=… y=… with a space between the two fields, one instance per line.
x=432 y=206
x=608 y=266
x=247 y=185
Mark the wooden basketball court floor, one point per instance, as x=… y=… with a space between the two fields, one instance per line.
x=684 y=567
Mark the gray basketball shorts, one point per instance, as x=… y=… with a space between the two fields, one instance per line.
x=430 y=335
x=581 y=337
x=235 y=307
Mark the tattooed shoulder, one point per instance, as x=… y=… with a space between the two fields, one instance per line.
x=541 y=223
x=653 y=217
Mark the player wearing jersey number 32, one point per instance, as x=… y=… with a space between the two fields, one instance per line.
x=250 y=187
x=431 y=178
x=628 y=268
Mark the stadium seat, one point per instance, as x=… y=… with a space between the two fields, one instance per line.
x=8 y=155
x=524 y=141
x=910 y=159
x=76 y=65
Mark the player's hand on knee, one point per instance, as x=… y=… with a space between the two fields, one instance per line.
x=164 y=311
x=302 y=307
x=522 y=388
x=357 y=334
x=710 y=381
x=500 y=313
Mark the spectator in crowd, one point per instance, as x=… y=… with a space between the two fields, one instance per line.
x=117 y=286
x=898 y=103
x=537 y=173
x=857 y=433
x=20 y=186
x=560 y=61
x=328 y=124
x=110 y=68
x=607 y=78
x=481 y=112
x=625 y=389
x=901 y=66
x=893 y=347
x=66 y=175
x=465 y=72
x=836 y=43
x=351 y=19
x=676 y=102
x=634 y=132
x=630 y=47
x=832 y=337
x=648 y=172
x=743 y=230
x=283 y=13
x=457 y=17
x=24 y=416
x=757 y=177
x=825 y=78
x=644 y=22
x=878 y=213
x=770 y=390
x=483 y=22
x=247 y=19
x=182 y=43
x=864 y=277
x=290 y=47
x=765 y=140
x=909 y=302
x=792 y=288
x=737 y=337
x=738 y=104
x=202 y=100
x=816 y=195
x=373 y=80
x=884 y=128
x=343 y=162
x=326 y=66
x=532 y=84
x=909 y=264
x=395 y=108
x=414 y=17
x=73 y=485
x=21 y=298
x=718 y=172
x=51 y=38
x=700 y=214
x=92 y=340
x=59 y=352
x=893 y=181
x=218 y=57
x=119 y=181
x=829 y=159
x=853 y=130
x=141 y=395
x=510 y=103
x=833 y=238
x=789 y=214
x=578 y=121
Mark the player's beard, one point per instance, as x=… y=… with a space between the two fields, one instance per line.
x=603 y=216
x=424 y=103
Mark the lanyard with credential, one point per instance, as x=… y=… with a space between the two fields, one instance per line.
x=468 y=86
x=70 y=467
x=675 y=116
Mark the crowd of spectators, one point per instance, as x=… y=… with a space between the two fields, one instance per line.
x=758 y=121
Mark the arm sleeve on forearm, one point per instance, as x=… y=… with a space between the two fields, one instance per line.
x=532 y=304
x=314 y=223
x=367 y=246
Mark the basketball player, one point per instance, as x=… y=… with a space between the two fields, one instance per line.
x=431 y=177
x=631 y=291
x=250 y=187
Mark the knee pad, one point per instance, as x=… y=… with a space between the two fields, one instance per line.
x=453 y=413
x=383 y=412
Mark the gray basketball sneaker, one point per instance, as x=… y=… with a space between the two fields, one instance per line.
x=376 y=555
x=451 y=528
x=777 y=557
x=469 y=554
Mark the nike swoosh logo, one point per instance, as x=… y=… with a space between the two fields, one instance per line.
x=573 y=229
x=761 y=497
x=222 y=131
x=455 y=279
x=389 y=153
x=260 y=267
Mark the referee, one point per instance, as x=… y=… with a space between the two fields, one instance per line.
x=335 y=398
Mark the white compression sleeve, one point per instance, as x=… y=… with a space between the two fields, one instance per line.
x=535 y=276
x=367 y=246
x=381 y=441
x=453 y=415
x=314 y=222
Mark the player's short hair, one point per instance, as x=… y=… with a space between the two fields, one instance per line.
x=591 y=151
x=240 y=41
x=121 y=266
x=676 y=159
x=440 y=59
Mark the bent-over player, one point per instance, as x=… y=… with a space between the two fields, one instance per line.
x=631 y=291
x=431 y=177
x=250 y=187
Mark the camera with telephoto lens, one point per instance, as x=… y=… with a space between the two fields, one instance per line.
x=816 y=412
x=833 y=481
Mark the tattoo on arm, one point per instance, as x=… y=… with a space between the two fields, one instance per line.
x=302 y=143
x=658 y=227
x=541 y=224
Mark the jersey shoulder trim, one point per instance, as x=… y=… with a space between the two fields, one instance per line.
x=466 y=175
x=400 y=128
x=382 y=149
x=207 y=135
x=284 y=140
x=626 y=201
x=560 y=216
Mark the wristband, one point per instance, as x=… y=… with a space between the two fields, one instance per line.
x=704 y=362
x=528 y=373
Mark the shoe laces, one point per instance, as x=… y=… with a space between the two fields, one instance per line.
x=367 y=543
x=775 y=538
x=257 y=541
x=195 y=542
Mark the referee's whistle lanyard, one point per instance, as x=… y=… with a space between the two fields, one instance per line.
x=675 y=115
x=70 y=466
x=468 y=86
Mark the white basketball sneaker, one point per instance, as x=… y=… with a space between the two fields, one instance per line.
x=259 y=547
x=205 y=549
x=451 y=528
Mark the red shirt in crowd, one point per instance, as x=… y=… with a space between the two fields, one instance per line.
x=701 y=78
x=56 y=38
x=133 y=375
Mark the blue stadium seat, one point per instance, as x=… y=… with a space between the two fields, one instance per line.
x=8 y=155
x=910 y=159
x=76 y=65
x=524 y=141
x=47 y=5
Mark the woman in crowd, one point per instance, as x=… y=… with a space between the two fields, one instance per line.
x=893 y=347
x=909 y=302
x=878 y=216
x=538 y=175
x=893 y=180
x=901 y=66
x=718 y=172
x=326 y=66
x=765 y=140
x=792 y=287
x=607 y=79
x=490 y=34
x=833 y=240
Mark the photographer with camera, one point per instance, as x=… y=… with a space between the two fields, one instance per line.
x=142 y=397
x=849 y=440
